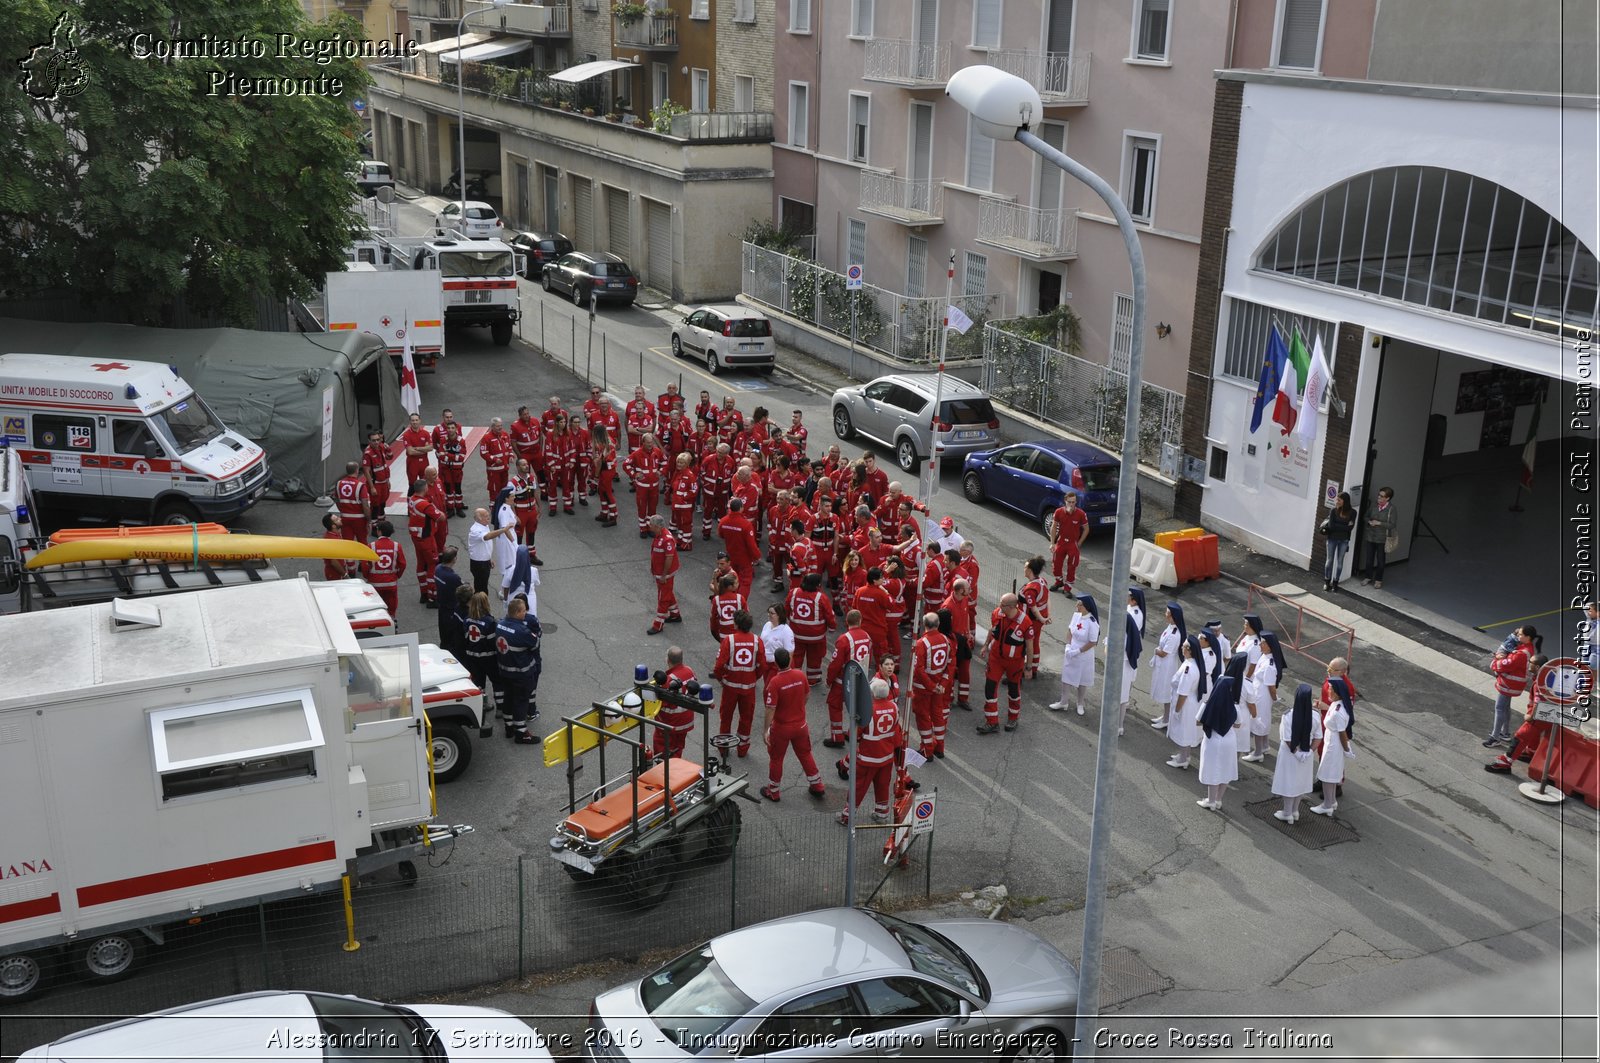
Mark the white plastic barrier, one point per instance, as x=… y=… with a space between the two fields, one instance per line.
x=1153 y=565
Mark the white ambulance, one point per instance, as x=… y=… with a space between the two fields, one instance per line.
x=124 y=440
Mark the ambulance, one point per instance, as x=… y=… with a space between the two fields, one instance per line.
x=125 y=440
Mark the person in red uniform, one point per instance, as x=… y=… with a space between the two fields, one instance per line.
x=441 y=527
x=1069 y=527
x=876 y=743
x=677 y=432
x=933 y=666
x=552 y=410
x=582 y=464
x=496 y=451
x=352 y=497
x=419 y=444
x=384 y=574
x=675 y=722
x=705 y=411
x=730 y=422
x=873 y=602
x=450 y=445
x=664 y=406
x=785 y=726
x=824 y=536
x=640 y=417
x=803 y=558
x=645 y=467
x=376 y=460
x=685 y=489
x=894 y=584
x=811 y=617
x=955 y=620
x=560 y=459
x=797 y=433
x=664 y=567
x=853 y=644
x=726 y=603
x=525 y=502
x=597 y=410
x=967 y=569
x=739 y=540
x=527 y=438
x=935 y=582
x=877 y=481
x=778 y=537
x=420 y=519
x=716 y=486
x=603 y=447
x=335 y=568
x=740 y=662
x=1006 y=651
x=1036 y=603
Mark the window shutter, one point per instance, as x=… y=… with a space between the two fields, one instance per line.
x=986 y=23
x=980 y=158
x=858 y=243
x=1297 y=44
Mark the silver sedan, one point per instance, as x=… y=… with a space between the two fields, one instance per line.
x=845 y=982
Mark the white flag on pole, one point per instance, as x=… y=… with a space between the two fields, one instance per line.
x=410 y=396
x=956 y=319
x=1318 y=377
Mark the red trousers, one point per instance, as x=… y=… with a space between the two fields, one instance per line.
x=497 y=480
x=881 y=778
x=648 y=500
x=666 y=599
x=1012 y=678
x=932 y=713
x=747 y=576
x=836 y=731
x=683 y=525
x=415 y=467
x=380 y=500
x=354 y=528
x=1065 y=550
x=713 y=507
x=608 y=495
x=559 y=486
x=799 y=736
x=427 y=551
x=743 y=700
x=527 y=523
x=808 y=656
x=450 y=480
x=390 y=593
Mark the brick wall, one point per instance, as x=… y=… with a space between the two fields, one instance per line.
x=744 y=48
x=1336 y=430
x=1227 y=102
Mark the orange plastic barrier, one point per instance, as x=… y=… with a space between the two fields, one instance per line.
x=1196 y=558
x=73 y=535
x=1167 y=538
x=1575 y=768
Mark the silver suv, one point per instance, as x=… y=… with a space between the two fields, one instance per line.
x=897 y=411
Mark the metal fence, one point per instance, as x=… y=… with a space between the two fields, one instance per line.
x=1087 y=397
x=902 y=327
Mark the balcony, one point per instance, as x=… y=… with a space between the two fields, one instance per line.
x=440 y=11
x=911 y=64
x=657 y=31
x=900 y=199
x=1027 y=232
x=534 y=20
x=723 y=127
x=1061 y=78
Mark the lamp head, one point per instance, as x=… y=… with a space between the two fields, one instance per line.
x=999 y=102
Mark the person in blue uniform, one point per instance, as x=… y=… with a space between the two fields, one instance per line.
x=517 y=654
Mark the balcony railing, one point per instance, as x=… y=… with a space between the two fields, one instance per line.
x=903 y=200
x=436 y=10
x=914 y=64
x=1061 y=78
x=724 y=126
x=1042 y=235
x=656 y=30
x=537 y=20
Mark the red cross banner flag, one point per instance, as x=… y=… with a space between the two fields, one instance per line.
x=410 y=397
x=1318 y=377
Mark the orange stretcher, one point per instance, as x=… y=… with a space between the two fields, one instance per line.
x=603 y=818
x=73 y=535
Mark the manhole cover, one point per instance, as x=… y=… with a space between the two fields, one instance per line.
x=1313 y=832
x=1124 y=976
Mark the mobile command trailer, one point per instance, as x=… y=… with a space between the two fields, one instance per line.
x=397 y=306
x=478 y=278
x=194 y=753
x=125 y=439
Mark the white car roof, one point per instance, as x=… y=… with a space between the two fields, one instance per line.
x=480 y=204
x=732 y=310
x=239 y=1027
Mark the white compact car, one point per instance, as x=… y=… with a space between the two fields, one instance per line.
x=726 y=336
x=479 y=221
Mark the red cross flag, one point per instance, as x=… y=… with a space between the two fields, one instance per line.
x=410 y=396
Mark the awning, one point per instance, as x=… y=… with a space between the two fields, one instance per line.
x=449 y=43
x=497 y=48
x=585 y=71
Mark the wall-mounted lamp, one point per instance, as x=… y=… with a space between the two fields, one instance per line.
x=1163 y=330
x=683 y=70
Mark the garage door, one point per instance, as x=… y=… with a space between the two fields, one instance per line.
x=583 y=213
x=619 y=241
x=658 y=257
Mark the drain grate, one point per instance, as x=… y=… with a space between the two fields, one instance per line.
x=1313 y=832
x=1124 y=976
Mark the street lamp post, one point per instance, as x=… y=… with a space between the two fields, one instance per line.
x=1005 y=107
x=461 y=104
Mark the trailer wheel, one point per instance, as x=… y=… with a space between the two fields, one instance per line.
x=500 y=331
x=647 y=877
x=22 y=977
x=109 y=958
x=722 y=831
x=173 y=511
x=452 y=752
x=408 y=872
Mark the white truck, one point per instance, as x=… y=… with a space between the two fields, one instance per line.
x=397 y=306
x=478 y=278
x=193 y=753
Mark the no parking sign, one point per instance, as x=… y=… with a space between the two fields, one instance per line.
x=922 y=815
x=852 y=277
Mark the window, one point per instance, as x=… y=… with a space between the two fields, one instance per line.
x=860 y=112
x=861 y=18
x=986 y=23
x=799 y=115
x=699 y=90
x=825 y=1017
x=1150 y=32
x=1014 y=458
x=63 y=432
x=916 y=266
x=799 y=16
x=980 y=158
x=744 y=10
x=1218 y=469
x=1049 y=466
x=906 y=399
x=695 y=998
x=1121 y=332
x=133 y=437
x=239 y=742
x=976 y=278
x=1139 y=177
x=1299 y=34
x=744 y=92
x=700 y=9
x=1250 y=325
x=858 y=243
x=798 y=216
x=892 y=1002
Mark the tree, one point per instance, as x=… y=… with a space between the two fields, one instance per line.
x=133 y=179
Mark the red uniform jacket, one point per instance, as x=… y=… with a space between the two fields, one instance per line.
x=333 y=568
x=390 y=566
x=933 y=663
x=641 y=415
x=664 y=554
x=803 y=559
x=739 y=539
x=685 y=488
x=786 y=697
x=376 y=459
x=644 y=467
x=935 y=579
x=716 y=474
x=740 y=661
x=751 y=493
x=810 y=615
x=1008 y=641
x=853 y=644
x=528 y=437
x=451 y=448
x=547 y=419
x=495 y=450
x=723 y=606
x=730 y=425
x=675 y=718
x=421 y=517
x=1036 y=593
x=876 y=742
x=1510 y=672
x=351 y=493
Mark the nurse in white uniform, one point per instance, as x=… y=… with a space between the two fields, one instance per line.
x=1077 y=657
x=1337 y=724
x=1189 y=692
x=1219 y=764
x=1264 y=695
x=1164 y=664
x=1133 y=646
x=1295 y=767
x=1249 y=644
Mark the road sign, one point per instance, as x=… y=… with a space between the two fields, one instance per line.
x=852 y=277
x=922 y=815
x=1563 y=687
x=360 y=106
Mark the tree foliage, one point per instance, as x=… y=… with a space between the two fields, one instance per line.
x=136 y=186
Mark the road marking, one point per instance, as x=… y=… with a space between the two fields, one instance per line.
x=995 y=790
x=397 y=470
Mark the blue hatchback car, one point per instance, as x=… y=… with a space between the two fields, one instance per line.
x=1033 y=478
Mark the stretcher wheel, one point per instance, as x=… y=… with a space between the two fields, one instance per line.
x=408 y=872
x=577 y=874
x=646 y=878
x=722 y=826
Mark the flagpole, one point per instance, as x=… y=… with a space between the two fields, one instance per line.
x=935 y=447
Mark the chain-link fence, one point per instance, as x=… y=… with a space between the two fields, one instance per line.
x=1073 y=392
x=903 y=327
x=456 y=926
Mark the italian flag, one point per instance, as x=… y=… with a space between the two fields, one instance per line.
x=1285 y=409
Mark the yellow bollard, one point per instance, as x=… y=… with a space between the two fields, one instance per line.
x=350 y=942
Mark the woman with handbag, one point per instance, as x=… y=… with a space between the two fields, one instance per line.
x=1341 y=521
x=1381 y=535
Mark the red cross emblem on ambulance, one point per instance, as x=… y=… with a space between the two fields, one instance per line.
x=106 y=367
x=385 y=321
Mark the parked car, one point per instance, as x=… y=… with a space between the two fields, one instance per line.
x=539 y=249
x=286 y=1025
x=372 y=176
x=1033 y=478
x=851 y=982
x=726 y=335
x=479 y=222
x=897 y=412
x=579 y=273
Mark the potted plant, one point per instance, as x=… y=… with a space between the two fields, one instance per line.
x=566 y=105
x=629 y=13
x=661 y=117
x=588 y=112
x=613 y=116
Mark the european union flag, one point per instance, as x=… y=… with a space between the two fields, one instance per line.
x=1271 y=375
